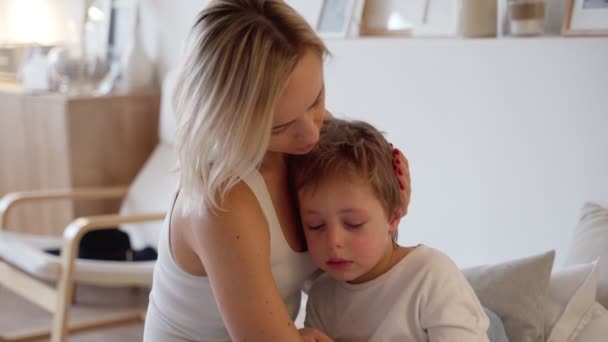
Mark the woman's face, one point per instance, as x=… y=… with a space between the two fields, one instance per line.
x=301 y=108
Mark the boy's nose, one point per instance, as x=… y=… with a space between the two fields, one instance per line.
x=334 y=238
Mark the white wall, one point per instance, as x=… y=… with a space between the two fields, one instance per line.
x=3 y=22
x=506 y=138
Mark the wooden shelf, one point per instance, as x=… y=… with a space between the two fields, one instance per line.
x=56 y=141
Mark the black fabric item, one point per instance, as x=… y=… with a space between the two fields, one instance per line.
x=105 y=244
x=109 y=244
x=146 y=254
x=54 y=251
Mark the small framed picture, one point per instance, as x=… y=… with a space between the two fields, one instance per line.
x=336 y=18
x=96 y=29
x=416 y=18
x=586 y=18
x=122 y=27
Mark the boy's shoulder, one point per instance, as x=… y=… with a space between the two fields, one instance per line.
x=423 y=262
x=432 y=265
x=433 y=258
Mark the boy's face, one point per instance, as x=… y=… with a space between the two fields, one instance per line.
x=347 y=230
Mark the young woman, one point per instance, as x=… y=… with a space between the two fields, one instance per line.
x=231 y=260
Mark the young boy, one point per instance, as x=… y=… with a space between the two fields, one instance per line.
x=373 y=289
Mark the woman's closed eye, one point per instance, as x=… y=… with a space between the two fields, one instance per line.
x=318 y=100
x=281 y=128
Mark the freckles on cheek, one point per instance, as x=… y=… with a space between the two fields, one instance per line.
x=317 y=254
x=364 y=248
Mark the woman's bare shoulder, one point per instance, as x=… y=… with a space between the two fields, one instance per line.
x=233 y=244
x=239 y=203
x=240 y=215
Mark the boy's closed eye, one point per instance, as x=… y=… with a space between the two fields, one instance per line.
x=314 y=226
x=354 y=225
x=349 y=225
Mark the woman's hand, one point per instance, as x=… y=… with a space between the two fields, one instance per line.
x=313 y=335
x=402 y=170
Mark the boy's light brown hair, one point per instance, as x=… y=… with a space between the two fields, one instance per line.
x=350 y=149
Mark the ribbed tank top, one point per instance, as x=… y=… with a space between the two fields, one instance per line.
x=182 y=306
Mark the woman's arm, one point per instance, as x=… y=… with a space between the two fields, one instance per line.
x=234 y=247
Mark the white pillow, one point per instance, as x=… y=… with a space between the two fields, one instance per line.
x=167 y=119
x=150 y=192
x=590 y=241
x=516 y=290
x=597 y=327
x=571 y=295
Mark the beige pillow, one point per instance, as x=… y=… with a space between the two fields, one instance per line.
x=571 y=295
x=516 y=291
x=589 y=242
x=597 y=326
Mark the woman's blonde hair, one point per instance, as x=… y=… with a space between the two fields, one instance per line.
x=237 y=61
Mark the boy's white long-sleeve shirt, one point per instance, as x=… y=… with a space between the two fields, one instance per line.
x=424 y=297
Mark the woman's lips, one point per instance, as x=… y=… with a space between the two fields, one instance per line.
x=308 y=148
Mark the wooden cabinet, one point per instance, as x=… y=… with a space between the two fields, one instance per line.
x=52 y=141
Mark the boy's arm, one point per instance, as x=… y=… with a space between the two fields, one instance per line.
x=452 y=311
x=313 y=317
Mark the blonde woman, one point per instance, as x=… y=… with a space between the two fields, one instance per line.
x=231 y=259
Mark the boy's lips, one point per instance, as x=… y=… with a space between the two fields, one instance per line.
x=338 y=263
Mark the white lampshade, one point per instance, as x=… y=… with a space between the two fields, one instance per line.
x=30 y=21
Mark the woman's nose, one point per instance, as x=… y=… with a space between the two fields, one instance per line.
x=311 y=129
x=319 y=116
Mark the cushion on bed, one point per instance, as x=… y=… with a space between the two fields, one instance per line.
x=516 y=291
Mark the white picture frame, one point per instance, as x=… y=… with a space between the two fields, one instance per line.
x=336 y=18
x=586 y=18
x=124 y=16
x=96 y=30
x=412 y=18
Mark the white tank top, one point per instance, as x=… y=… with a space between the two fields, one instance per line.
x=182 y=306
